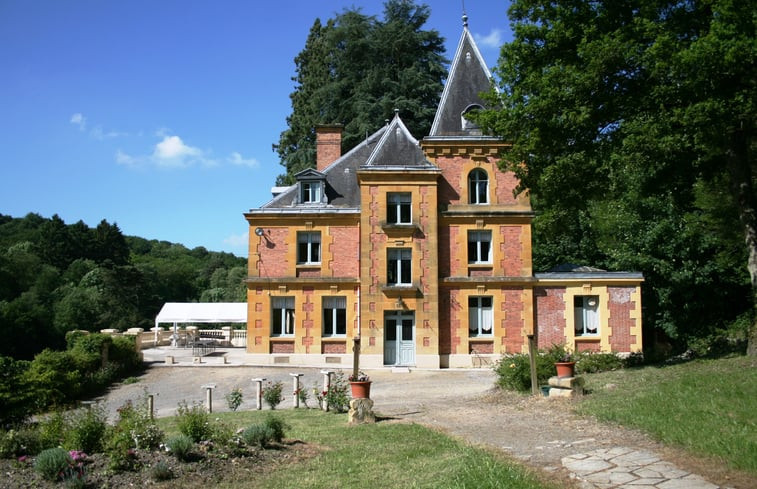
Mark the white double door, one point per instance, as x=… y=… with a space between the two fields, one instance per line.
x=399 y=338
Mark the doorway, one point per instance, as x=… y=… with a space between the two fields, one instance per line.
x=399 y=338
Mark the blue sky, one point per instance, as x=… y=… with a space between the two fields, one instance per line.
x=159 y=115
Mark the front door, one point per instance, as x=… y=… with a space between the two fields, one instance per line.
x=399 y=338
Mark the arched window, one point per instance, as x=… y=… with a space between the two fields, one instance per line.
x=478 y=187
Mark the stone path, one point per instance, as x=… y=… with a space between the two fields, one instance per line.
x=626 y=468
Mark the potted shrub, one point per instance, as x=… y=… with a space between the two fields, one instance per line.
x=566 y=365
x=360 y=385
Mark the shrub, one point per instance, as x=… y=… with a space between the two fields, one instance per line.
x=234 y=398
x=194 y=422
x=55 y=382
x=24 y=440
x=180 y=447
x=590 y=362
x=134 y=427
x=272 y=394
x=161 y=472
x=336 y=395
x=277 y=426
x=258 y=435
x=52 y=463
x=52 y=429
x=514 y=371
x=86 y=429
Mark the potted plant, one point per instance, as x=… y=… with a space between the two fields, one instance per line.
x=360 y=385
x=566 y=365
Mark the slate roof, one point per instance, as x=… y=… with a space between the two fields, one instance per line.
x=572 y=271
x=468 y=77
x=397 y=149
x=342 y=190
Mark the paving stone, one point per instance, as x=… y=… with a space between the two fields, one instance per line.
x=695 y=482
x=586 y=466
x=646 y=482
x=636 y=458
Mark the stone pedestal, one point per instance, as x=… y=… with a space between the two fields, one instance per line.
x=566 y=386
x=361 y=411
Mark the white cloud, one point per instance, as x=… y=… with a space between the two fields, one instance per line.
x=491 y=40
x=79 y=120
x=170 y=152
x=237 y=240
x=236 y=159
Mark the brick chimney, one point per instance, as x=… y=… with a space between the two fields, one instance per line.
x=328 y=144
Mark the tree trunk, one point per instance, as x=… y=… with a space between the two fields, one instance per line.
x=740 y=169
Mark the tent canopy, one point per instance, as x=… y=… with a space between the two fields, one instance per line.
x=202 y=312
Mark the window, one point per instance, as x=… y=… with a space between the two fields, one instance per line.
x=478 y=187
x=399 y=266
x=282 y=322
x=586 y=311
x=398 y=208
x=480 y=318
x=310 y=192
x=334 y=316
x=479 y=246
x=309 y=248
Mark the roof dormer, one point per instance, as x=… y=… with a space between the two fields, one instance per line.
x=311 y=187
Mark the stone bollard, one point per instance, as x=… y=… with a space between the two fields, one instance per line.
x=326 y=384
x=209 y=396
x=259 y=392
x=361 y=412
x=296 y=389
x=151 y=406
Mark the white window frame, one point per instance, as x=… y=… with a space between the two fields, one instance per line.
x=399 y=266
x=480 y=316
x=335 y=312
x=309 y=243
x=311 y=191
x=586 y=315
x=478 y=187
x=282 y=316
x=399 y=205
x=479 y=247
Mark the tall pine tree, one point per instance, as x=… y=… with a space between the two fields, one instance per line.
x=355 y=70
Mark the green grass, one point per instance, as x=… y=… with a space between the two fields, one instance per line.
x=380 y=455
x=708 y=407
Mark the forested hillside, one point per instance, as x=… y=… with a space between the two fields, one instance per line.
x=57 y=277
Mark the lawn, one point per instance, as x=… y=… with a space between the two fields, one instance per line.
x=709 y=407
x=386 y=454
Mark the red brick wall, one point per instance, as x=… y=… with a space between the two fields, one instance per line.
x=512 y=250
x=449 y=191
x=550 y=316
x=445 y=327
x=273 y=253
x=345 y=255
x=505 y=183
x=513 y=323
x=591 y=346
x=620 y=320
x=482 y=348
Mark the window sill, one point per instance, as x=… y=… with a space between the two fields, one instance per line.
x=334 y=339
x=593 y=337
x=282 y=338
x=481 y=265
x=400 y=290
x=308 y=266
x=482 y=339
x=399 y=229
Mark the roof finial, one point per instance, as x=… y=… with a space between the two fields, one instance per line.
x=465 y=16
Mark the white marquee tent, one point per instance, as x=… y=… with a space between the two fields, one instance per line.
x=200 y=312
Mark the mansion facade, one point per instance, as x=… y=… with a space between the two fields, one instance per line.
x=422 y=251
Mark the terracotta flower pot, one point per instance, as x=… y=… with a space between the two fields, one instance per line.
x=361 y=390
x=565 y=369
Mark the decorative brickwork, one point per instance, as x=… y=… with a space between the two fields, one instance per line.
x=513 y=323
x=332 y=348
x=345 y=253
x=278 y=347
x=512 y=250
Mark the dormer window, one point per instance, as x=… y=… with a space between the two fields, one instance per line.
x=311 y=186
x=468 y=125
x=310 y=192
